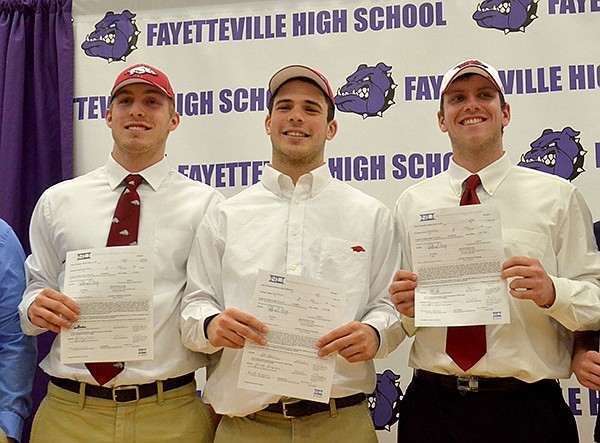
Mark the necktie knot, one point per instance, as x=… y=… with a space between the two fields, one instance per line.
x=469 y=196
x=133 y=181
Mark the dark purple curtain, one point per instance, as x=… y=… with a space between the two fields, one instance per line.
x=36 y=104
x=36 y=124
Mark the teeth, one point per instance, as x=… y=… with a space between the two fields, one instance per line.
x=136 y=128
x=548 y=159
x=361 y=92
x=503 y=8
x=109 y=39
x=472 y=121
x=295 y=134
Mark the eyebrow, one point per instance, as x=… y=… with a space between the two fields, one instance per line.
x=306 y=102
x=149 y=91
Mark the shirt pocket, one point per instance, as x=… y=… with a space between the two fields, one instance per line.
x=524 y=243
x=347 y=262
x=171 y=251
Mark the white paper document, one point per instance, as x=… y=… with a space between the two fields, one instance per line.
x=298 y=311
x=457 y=254
x=113 y=288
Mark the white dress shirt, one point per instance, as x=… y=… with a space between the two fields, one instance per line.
x=77 y=214
x=309 y=229
x=543 y=217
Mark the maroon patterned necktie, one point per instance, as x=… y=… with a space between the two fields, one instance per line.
x=467 y=344
x=123 y=232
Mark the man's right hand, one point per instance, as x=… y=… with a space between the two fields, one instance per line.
x=402 y=292
x=53 y=310
x=586 y=366
x=232 y=327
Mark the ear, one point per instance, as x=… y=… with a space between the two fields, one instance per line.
x=506 y=115
x=332 y=128
x=174 y=121
x=442 y=122
x=268 y=124
x=108 y=118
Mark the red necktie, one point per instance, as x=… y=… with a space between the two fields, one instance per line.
x=123 y=232
x=467 y=344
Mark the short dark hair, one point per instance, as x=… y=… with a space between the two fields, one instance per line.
x=330 y=105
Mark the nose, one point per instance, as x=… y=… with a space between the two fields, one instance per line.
x=136 y=109
x=296 y=115
x=471 y=103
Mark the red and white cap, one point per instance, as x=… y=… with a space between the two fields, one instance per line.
x=472 y=67
x=295 y=71
x=142 y=73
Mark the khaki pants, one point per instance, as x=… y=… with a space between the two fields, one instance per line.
x=342 y=426
x=3 y=438
x=177 y=415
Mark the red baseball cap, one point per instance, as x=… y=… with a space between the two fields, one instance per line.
x=295 y=71
x=472 y=67
x=142 y=73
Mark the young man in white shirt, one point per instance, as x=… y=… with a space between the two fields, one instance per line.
x=509 y=390
x=139 y=401
x=297 y=220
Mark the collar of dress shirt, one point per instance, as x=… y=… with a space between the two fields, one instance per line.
x=154 y=175
x=491 y=176
x=281 y=184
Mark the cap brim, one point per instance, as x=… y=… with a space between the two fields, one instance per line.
x=295 y=71
x=133 y=80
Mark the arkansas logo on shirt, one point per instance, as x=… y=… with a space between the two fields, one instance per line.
x=358 y=249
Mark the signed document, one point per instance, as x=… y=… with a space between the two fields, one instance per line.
x=457 y=254
x=113 y=288
x=298 y=311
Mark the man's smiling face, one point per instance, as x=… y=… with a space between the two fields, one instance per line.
x=472 y=113
x=298 y=126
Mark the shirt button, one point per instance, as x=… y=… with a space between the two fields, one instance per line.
x=295 y=232
x=293 y=267
x=297 y=202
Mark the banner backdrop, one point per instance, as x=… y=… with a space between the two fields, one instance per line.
x=386 y=61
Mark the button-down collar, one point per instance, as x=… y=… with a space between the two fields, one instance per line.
x=154 y=175
x=491 y=176
x=280 y=184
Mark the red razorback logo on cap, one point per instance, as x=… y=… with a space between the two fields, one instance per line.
x=470 y=63
x=358 y=249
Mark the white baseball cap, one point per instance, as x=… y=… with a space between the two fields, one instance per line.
x=472 y=67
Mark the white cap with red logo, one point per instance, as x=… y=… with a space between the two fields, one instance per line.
x=471 y=67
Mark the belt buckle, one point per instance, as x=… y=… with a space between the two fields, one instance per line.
x=116 y=389
x=467 y=383
x=284 y=408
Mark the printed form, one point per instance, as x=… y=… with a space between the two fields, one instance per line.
x=298 y=311
x=113 y=288
x=457 y=254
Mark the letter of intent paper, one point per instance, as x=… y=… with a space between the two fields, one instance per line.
x=457 y=254
x=298 y=311
x=113 y=288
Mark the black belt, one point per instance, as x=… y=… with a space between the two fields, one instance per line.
x=303 y=408
x=469 y=383
x=125 y=393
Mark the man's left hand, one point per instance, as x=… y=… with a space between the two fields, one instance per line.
x=530 y=280
x=355 y=341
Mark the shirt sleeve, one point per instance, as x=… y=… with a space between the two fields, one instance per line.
x=203 y=296
x=43 y=267
x=17 y=351
x=577 y=281
x=380 y=312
